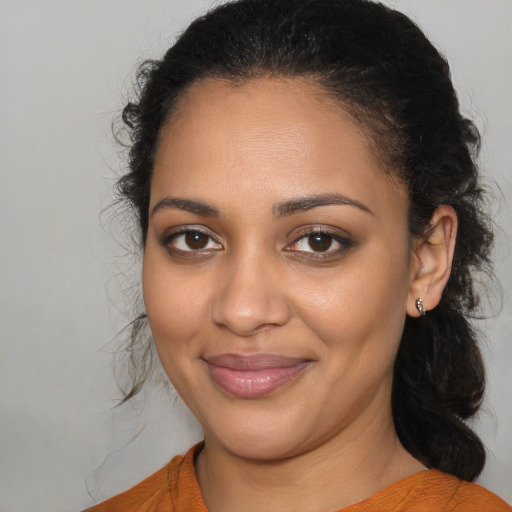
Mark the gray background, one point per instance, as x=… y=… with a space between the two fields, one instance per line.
x=65 y=66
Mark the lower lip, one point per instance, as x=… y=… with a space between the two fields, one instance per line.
x=254 y=383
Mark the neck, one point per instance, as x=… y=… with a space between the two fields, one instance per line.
x=339 y=472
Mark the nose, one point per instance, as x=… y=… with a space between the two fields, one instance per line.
x=251 y=297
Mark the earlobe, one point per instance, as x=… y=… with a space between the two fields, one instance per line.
x=432 y=262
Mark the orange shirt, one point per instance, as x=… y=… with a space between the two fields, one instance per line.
x=174 y=488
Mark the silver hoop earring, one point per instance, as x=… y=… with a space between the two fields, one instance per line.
x=419 y=306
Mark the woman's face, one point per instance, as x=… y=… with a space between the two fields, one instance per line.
x=277 y=267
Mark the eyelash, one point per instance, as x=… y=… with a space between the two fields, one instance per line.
x=169 y=241
x=344 y=243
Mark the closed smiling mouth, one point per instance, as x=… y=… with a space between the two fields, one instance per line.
x=254 y=375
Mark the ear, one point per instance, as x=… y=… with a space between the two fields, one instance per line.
x=432 y=260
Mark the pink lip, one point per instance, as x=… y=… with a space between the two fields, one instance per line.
x=254 y=375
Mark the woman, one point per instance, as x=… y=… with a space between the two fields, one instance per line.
x=311 y=220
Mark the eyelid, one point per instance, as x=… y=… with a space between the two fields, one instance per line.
x=172 y=234
x=341 y=237
x=324 y=229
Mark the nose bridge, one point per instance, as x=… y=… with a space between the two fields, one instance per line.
x=251 y=295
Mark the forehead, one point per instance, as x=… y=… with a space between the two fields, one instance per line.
x=264 y=104
x=269 y=135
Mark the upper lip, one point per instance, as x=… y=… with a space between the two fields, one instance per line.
x=259 y=361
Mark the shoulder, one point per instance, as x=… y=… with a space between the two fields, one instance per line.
x=440 y=491
x=160 y=492
x=469 y=497
x=432 y=491
x=144 y=497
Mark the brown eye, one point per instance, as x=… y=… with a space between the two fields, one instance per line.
x=190 y=241
x=196 y=240
x=320 y=242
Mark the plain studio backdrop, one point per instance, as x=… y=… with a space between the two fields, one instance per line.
x=65 y=68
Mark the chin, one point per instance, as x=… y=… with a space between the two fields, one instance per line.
x=258 y=435
x=267 y=447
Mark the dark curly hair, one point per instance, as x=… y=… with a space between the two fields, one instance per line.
x=382 y=69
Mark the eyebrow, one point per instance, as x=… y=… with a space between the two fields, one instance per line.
x=284 y=209
x=303 y=204
x=188 y=205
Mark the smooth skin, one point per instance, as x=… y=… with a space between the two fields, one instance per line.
x=274 y=230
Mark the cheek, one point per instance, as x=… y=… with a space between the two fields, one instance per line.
x=174 y=305
x=176 y=316
x=358 y=306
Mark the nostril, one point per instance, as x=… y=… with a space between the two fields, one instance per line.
x=249 y=313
